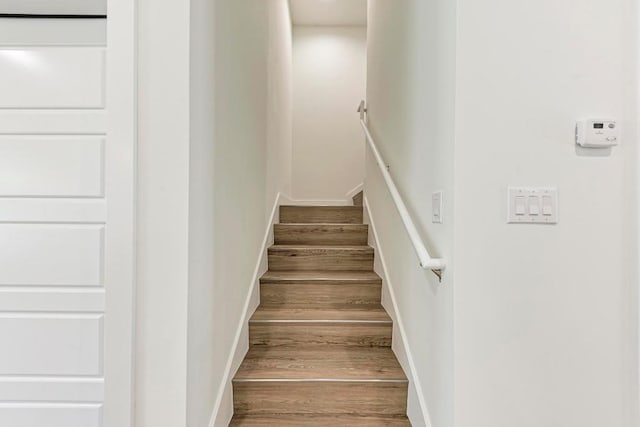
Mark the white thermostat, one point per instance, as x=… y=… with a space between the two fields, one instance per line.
x=597 y=133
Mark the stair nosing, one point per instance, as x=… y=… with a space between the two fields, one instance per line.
x=324 y=380
x=346 y=282
x=321 y=224
x=336 y=282
x=323 y=246
x=372 y=274
x=349 y=321
x=350 y=207
x=321 y=416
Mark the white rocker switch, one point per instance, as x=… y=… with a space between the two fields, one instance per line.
x=521 y=207
x=547 y=206
x=534 y=205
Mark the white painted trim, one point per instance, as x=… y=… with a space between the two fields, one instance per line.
x=410 y=368
x=320 y=202
x=636 y=409
x=238 y=352
x=351 y=194
x=120 y=250
x=347 y=201
x=286 y=200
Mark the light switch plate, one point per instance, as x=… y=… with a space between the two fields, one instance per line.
x=436 y=207
x=532 y=205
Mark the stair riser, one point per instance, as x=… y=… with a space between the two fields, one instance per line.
x=320 y=277
x=372 y=334
x=330 y=295
x=310 y=259
x=321 y=234
x=309 y=397
x=321 y=214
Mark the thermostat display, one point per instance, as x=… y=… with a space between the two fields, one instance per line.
x=597 y=133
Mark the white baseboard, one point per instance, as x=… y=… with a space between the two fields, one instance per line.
x=356 y=190
x=223 y=407
x=347 y=201
x=311 y=202
x=417 y=409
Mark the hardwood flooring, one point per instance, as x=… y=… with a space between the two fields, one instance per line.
x=320 y=342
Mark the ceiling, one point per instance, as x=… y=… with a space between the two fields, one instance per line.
x=328 y=12
x=54 y=7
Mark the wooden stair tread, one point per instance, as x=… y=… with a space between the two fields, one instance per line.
x=321 y=313
x=313 y=363
x=324 y=277
x=309 y=420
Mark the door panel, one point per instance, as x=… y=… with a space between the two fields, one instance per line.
x=54 y=234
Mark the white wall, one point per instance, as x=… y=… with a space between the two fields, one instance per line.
x=544 y=314
x=202 y=215
x=201 y=341
x=163 y=213
x=410 y=90
x=329 y=75
x=241 y=33
x=252 y=166
x=545 y=317
x=204 y=174
x=633 y=175
x=279 y=101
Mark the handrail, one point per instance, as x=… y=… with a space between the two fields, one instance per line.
x=437 y=265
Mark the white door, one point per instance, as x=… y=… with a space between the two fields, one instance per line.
x=66 y=226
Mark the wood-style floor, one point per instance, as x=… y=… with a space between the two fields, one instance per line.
x=320 y=342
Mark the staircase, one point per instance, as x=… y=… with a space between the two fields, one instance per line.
x=320 y=342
